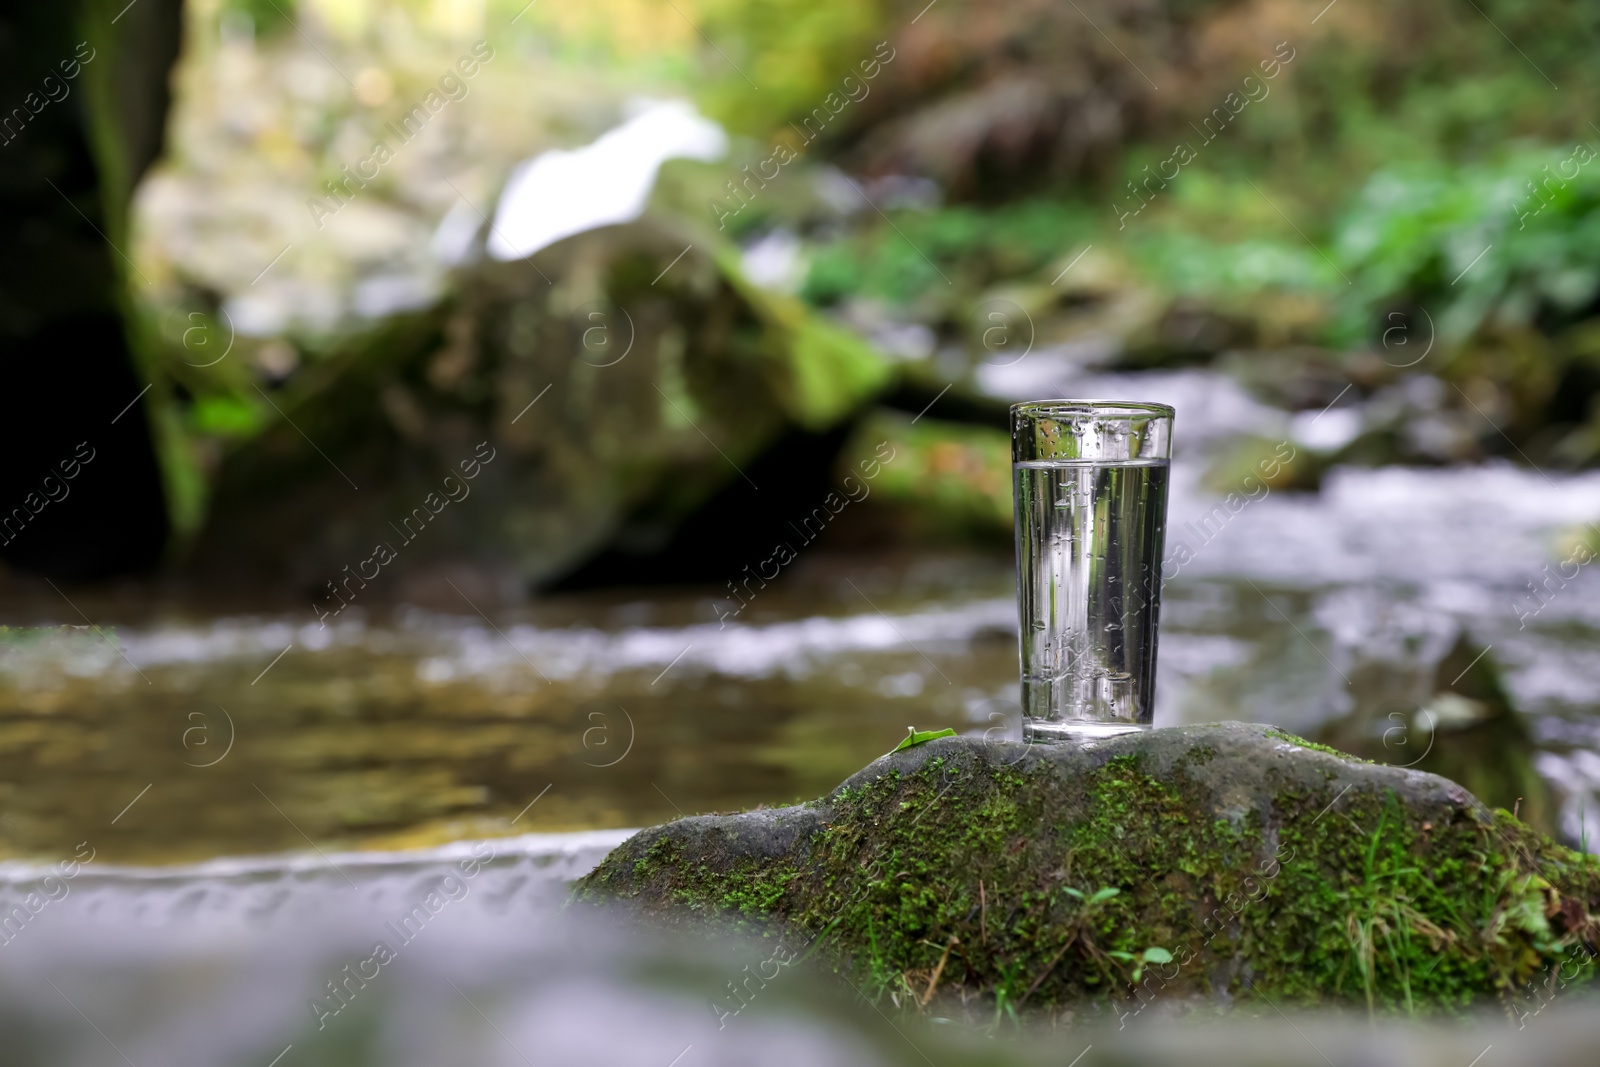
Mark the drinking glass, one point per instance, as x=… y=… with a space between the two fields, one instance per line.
x=1090 y=481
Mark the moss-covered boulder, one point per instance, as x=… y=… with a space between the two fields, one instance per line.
x=1217 y=862
x=664 y=390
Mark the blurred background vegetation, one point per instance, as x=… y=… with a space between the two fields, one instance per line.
x=1331 y=204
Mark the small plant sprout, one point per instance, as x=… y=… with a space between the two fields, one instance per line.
x=1149 y=955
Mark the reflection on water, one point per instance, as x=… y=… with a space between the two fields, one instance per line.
x=422 y=727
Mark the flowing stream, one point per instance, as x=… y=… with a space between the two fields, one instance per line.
x=261 y=796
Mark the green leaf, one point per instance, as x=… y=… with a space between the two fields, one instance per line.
x=225 y=416
x=1157 y=955
x=1102 y=895
x=921 y=738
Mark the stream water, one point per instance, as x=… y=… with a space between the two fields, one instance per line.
x=259 y=794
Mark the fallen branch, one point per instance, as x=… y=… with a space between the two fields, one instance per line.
x=1048 y=968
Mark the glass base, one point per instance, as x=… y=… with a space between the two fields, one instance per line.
x=1047 y=731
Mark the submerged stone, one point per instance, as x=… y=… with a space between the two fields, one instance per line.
x=1203 y=863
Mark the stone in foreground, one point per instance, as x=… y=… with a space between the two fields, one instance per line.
x=1227 y=861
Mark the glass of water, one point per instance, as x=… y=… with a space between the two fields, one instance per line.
x=1090 y=478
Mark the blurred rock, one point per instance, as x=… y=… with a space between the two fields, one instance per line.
x=987 y=99
x=1296 y=378
x=1252 y=462
x=1459 y=723
x=947 y=484
x=616 y=376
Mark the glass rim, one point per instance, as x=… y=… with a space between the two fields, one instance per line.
x=1104 y=409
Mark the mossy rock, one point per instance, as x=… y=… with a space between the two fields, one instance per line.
x=663 y=391
x=1202 y=864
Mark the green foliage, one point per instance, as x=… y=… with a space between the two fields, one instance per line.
x=1187 y=263
x=920 y=737
x=1149 y=955
x=959 y=249
x=1369 y=180
x=267 y=17
x=1100 y=896
x=793 y=53
x=226 y=416
x=1415 y=233
x=1437 y=81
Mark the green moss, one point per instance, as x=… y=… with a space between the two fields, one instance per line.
x=1030 y=889
x=1296 y=739
x=24 y=636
